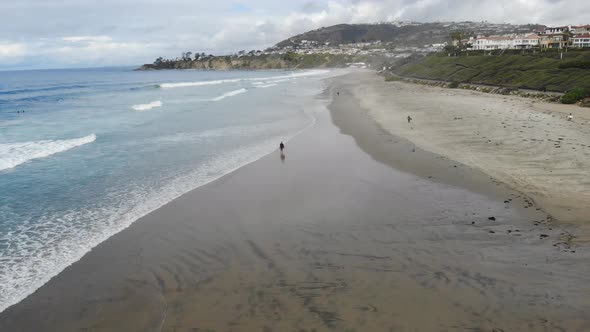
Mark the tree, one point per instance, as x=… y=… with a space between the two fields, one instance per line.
x=186 y=56
x=457 y=36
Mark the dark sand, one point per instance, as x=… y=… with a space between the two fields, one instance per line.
x=346 y=234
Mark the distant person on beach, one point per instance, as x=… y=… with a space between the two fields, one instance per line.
x=409 y=119
x=570 y=117
x=338 y=93
x=282 y=147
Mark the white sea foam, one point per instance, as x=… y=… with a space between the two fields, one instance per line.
x=199 y=83
x=38 y=249
x=262 y=86
x=271 y=128
x=14 y=154
x=81 y=230
x=229 y=94
x=147 y=107
x=257 y=83
x=288 y=76
x=292 y=75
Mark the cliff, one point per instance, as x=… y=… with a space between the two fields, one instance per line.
x=255 y=62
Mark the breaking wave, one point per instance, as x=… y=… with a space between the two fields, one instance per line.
x=235 y=80
x=200 y=83
x=14 y=154
x=229 y=94
x=147 y=107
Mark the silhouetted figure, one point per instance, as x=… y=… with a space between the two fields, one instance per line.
x=338 y=93
x=282 y=147
x=570 y=117
x=409 y=119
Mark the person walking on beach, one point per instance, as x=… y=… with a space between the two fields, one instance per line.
x=409 y=119
x=282 y=147
x=570 y=117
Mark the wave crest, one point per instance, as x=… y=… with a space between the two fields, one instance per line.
x=229 y=94
x=276 y=79
x=199 y=83
x=14 y=154
x=147 y=107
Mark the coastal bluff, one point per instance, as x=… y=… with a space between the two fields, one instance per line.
x=256 y=62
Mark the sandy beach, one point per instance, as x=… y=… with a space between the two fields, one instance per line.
x=526 y=144
x=362 y=227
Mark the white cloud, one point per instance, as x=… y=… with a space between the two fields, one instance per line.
x=132 y=32
x=12 y=50
x=247 y=32
x=77 y=39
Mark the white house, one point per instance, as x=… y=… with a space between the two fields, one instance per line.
x=580 y=29
x=581 y=40
x=552 y=30
x=508 y=42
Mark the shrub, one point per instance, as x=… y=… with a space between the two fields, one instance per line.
x=506 y=90
x=454 y=85
x=392 y=79
x=573 y=96
x=581 y=64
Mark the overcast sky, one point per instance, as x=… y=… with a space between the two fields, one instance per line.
x=88 y=33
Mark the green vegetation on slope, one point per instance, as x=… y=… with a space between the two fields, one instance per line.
x=574 y=95
x=541 y=71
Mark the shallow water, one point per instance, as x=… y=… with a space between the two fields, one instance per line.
x=84 y=153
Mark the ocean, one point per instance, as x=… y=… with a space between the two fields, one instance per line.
x=86 y=152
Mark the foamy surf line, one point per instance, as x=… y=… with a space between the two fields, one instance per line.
x=12 y=288
x=213 y=169
x=263 y=86
x=236 y=80
x=229 y=94
x=199 y=83
x=14 y=154
x=147 y=107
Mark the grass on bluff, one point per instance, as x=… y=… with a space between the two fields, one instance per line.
x=539 y=71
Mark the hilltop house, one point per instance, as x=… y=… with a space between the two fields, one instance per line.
x=554 y=30
x=509 y=42
x=525 y=41
x=581 y=40
x=580 y=29
x=554 y=40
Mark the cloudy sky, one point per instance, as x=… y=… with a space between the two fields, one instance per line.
x=88 y=33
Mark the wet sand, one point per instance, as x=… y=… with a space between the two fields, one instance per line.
x=355 y=230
